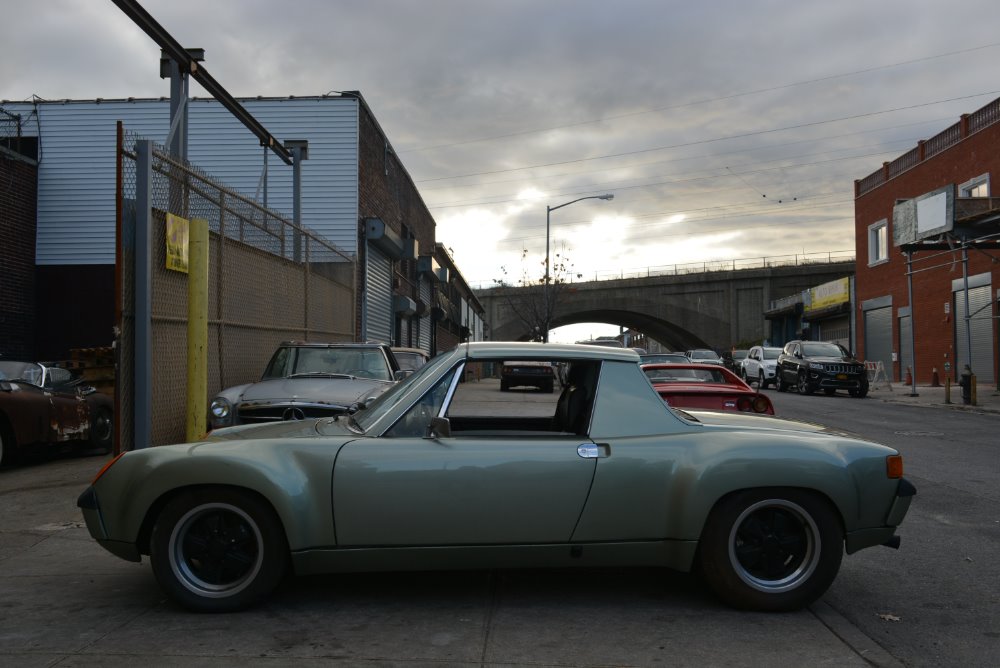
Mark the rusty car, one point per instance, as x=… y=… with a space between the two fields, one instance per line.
x=43 y=406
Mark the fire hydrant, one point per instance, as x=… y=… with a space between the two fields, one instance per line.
x=965 y=381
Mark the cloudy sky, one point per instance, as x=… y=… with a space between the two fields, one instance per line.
x=726 y=130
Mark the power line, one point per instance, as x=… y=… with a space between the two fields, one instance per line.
x=699 y=142
x=705 y=101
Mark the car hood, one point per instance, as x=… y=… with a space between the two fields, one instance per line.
x=742 y=421
x=287 y=429
x=833 y=359
x=334 y=391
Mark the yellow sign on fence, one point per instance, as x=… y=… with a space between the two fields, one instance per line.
x=177 y=243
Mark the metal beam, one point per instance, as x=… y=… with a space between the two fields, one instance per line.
x=173 y=48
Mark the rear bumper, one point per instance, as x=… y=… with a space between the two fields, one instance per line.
x=857 y=540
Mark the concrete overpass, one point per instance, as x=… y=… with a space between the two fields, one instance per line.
x=712 y=309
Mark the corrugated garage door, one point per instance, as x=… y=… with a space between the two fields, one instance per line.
x=981 y=326
x=378 y=297
x=878 y=337
x=426 y=293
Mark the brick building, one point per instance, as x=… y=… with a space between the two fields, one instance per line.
x=19 y=175
x=946 y=179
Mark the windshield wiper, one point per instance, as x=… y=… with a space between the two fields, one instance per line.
x=320 y=374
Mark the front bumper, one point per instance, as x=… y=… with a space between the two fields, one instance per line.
x=88 y=504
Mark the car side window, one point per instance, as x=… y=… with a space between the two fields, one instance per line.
x=414 y=423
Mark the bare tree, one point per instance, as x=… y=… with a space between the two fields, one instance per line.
x=529 y=300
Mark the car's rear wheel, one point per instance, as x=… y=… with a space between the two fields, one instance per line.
x=804 y=386
x=218 y=549
x=6 y=444
x=771 y=550
x=102 y=428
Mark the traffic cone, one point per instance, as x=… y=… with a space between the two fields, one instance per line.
x=935 y=381
x=909 y=377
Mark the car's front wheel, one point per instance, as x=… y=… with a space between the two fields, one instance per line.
x=771 y=550
x=779 y=381
x=761 y=383
x=804 y=386
x=859 y=393
x=218 y=549
x=102 y=430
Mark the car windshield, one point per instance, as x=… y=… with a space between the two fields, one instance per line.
x=685 y=375
x=409 y=361
x=703 y=355
x=739 y=354
x=28 y=372
x=322 y=361
x=367 y=416
x=771 y=353
x=664 y=358
x=819 y=349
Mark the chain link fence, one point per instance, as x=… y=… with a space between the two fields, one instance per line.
x=269 y=281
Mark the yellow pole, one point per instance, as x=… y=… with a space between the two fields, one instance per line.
x=197 y=332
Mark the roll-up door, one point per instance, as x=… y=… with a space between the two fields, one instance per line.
x=378 y=297
x=426 y=294
x=981 y=328
x=878 y=337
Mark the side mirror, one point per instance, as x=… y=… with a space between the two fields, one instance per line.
x=401 y=374
x=5 y=386
x=438 y=428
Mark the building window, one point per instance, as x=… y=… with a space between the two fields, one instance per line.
x=977 y=187
x=878 y=242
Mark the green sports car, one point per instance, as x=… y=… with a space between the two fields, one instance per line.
x=445 y=471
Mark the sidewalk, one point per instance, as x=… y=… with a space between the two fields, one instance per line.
x=987 y=397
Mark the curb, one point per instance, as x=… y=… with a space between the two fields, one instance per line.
x=853 y=637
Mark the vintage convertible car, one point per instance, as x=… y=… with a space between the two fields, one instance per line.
x=44 y=406
x=308 y=380
x=442 y=471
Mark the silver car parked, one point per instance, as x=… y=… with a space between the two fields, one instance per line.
x=759 y=366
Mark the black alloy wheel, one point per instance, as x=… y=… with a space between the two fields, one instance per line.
x=804 y=386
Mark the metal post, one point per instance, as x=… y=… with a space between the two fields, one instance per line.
x=913 y=346
x=143 y=408
x=545 y=286
x=968 y=316
x=197 y=330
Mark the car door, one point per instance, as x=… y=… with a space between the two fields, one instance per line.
x=476 y=487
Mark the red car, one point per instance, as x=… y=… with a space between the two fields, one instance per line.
x=705 y=387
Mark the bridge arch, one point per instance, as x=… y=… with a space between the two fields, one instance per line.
x=713 y=309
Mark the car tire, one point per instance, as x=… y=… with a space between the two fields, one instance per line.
x=8 y=448
x=218 y=549
x=102 y=430
x=761 y=383
x=743 y=375
x=779 y=381
x=771 y=549
x=803 y=385
x=549 y=387
x=860 y=393
x=504 y=387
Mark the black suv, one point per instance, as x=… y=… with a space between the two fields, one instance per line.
x=815 y=365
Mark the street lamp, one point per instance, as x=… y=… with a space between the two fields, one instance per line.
x=545 y=287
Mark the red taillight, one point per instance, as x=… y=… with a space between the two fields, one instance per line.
x=761 y=404
x=743 y=403
x=105 y=468
x=894 y=466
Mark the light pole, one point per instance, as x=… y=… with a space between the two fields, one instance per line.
x=545 y=286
